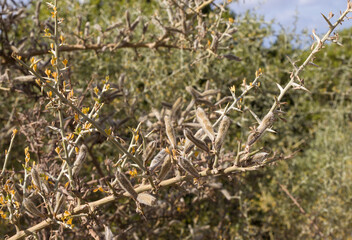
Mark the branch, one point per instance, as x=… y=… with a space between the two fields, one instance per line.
x=119 y=147
x=111 y=198
x=301 y=209
x=80 y=47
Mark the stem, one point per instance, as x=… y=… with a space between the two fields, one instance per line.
x=119 y=147
x=111 y=198
x=309 y=58
x=59 y=109
x=7 y=156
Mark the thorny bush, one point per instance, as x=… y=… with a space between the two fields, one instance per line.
x=61 y=187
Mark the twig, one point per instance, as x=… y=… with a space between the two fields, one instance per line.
x=7 y=156
x=111 y=198
x=301 y=209
x=319 y=45
x=85 y=117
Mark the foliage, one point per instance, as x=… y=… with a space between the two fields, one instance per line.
x=130 y=78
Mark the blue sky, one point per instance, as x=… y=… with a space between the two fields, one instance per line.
x=285 y=11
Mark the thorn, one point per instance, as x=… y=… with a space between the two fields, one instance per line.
x=316 y=36
x=236 y=109
x=279 y=111
x=271 y=130
x=281 y=89
x=283 y=119
x=313 y=64
x=297 y=86
x=327 y=20
x=255 y=116
x=292 y=62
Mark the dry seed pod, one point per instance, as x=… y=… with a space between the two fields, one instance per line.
x=108 y=233
x=224 y=126
x=46 y=187
x=205 y=123
x=165 y=168
x=167 y=105
x=189 y=145
x=59 y=202
x=252 y=138
x=259 y=158
x=31 y=208
x=36 y=178
x=224 y=100
x=205 y=102
x=188 y=167
x=196 y=94
x=189 y=107
x=170 y=132
x=157 y=160
x=17 y=193
x=199 y=143
x=267 y=122
x=135 y=23
x=80 y=159
x=210 y=92
x=146 y=199
x=150 y=151
x=125 y=184
x=175 y=107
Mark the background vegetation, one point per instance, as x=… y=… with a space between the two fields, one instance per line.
x=317 y=130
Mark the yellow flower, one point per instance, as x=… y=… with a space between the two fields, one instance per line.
x=96 y=90
x=108 y=131
x=58 y=150
x=259 y=72
x=48 y=72
x=85 y=110
x=47 y=33
x=14 y=132
x=65 y=61
x=99 y=189
x=133 y=172
x=62 y=39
